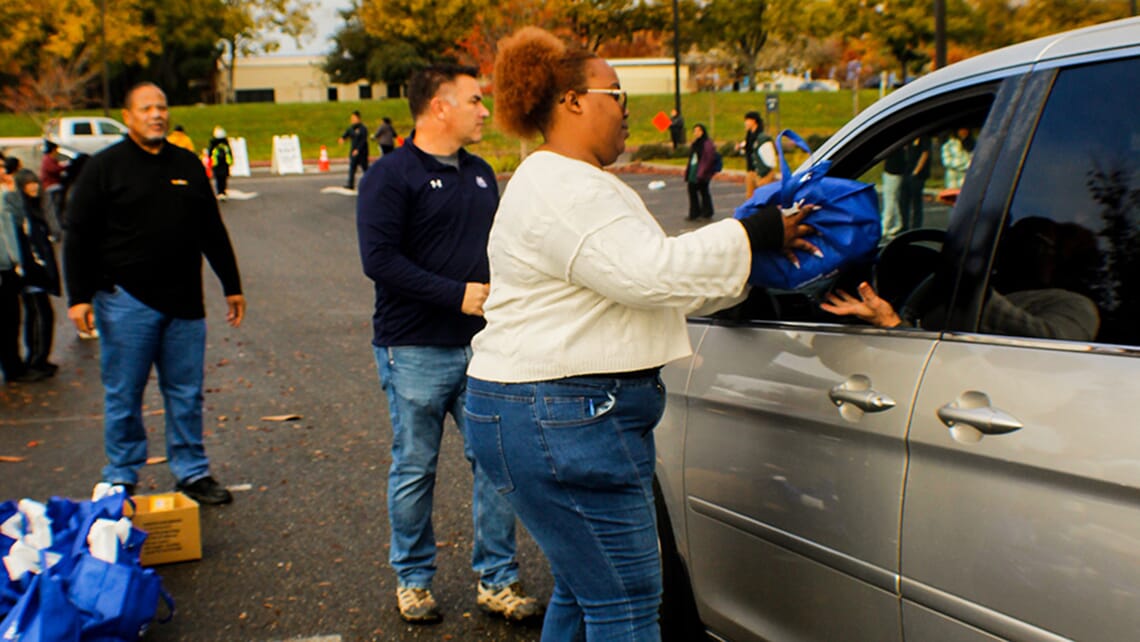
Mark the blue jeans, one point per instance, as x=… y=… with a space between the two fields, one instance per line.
x=132 y=338
x=423 y=384
x=575 y=458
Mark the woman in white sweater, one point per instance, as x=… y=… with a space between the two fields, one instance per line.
x=588 y=300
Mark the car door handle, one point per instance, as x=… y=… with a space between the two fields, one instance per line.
x=856 y=396
x=974 y=410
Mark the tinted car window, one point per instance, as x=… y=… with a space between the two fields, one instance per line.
x=81 y=128
x=1068 y=261
x=110 y=129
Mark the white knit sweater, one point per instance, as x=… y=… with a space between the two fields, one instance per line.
x=585 y=281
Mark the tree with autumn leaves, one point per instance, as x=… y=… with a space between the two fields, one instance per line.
x=383 y=40
x=52 y=52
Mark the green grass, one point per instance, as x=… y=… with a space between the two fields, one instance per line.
x=319 y=124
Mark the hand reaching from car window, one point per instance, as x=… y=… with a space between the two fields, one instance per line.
x=867 y=307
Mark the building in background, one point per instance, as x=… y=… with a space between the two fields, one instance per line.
x=299 y=79
x=292 y=79
x=641 y=76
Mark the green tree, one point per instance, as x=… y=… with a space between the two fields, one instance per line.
x=594 y=22
x=741 y=27
x=354 y=50
x=250 y=26
x=185 y=66
x=415 y=33
x=432 y=27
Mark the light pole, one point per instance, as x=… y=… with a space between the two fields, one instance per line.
x=677 y=58
x=103 y=46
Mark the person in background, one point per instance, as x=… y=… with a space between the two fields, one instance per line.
x=357 y=137
x=759 y=154
x=560 y=418
x=957 y=152
x=386 y=136
x=51 y=177
x=221 y=157
x=422 y=216
x=916 y=157
x=893 y=169
x=676 y=128
x=11 y=282
x=141 y=217
x=698 y=174
x=180 y=138
x=40 y=271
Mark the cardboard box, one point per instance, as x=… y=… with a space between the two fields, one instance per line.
x=171 y=523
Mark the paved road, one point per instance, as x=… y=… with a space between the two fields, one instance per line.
x=302 y=553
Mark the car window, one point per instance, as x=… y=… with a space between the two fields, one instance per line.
x=81 y=128
x=1067 y=264
x=110 y=129
x=918 y=160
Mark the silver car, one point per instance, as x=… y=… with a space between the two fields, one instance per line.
x=973 y=473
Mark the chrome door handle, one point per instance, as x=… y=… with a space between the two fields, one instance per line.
x=972 y=415
x=856 y=396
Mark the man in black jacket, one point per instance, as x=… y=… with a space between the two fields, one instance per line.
x=357 y=136
x=142 y=215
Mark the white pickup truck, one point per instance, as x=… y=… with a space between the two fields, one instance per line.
x=87 y=134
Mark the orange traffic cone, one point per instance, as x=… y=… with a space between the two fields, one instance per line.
x=207 y=164
x=323 y=160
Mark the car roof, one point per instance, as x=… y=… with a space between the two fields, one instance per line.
x=995 y=65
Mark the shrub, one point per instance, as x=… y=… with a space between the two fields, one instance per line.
x=650 y=151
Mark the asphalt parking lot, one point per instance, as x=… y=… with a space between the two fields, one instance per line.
x=302 y=552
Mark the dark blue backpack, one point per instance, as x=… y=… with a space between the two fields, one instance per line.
x=718 y=162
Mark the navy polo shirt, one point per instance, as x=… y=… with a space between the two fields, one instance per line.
x=423 y=228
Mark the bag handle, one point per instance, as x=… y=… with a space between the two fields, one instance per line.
x=795 y=182
x=170 y=610
x=788 y=185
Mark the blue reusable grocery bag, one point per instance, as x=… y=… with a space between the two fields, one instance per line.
x=846 y=223
x=43 y=613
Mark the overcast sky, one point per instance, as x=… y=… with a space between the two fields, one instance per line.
x=326 y=21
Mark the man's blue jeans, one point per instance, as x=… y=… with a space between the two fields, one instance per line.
x=423 y=384
x=575 y=458
x=132 y=338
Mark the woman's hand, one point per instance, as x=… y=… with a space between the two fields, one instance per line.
x=794 y=232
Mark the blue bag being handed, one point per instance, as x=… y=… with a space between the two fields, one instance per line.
x=846 y=223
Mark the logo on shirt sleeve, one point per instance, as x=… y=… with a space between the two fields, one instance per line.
x=480 y=182
x=436 y=183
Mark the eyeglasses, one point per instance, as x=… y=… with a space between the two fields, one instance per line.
x=619 y=95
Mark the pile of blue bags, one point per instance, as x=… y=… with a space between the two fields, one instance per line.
x=71 y=572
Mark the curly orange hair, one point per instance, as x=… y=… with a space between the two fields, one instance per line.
x=532 y=69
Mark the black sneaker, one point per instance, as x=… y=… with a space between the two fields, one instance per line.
x=206 y=491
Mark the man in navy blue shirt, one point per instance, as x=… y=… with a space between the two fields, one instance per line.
x=423 y=216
